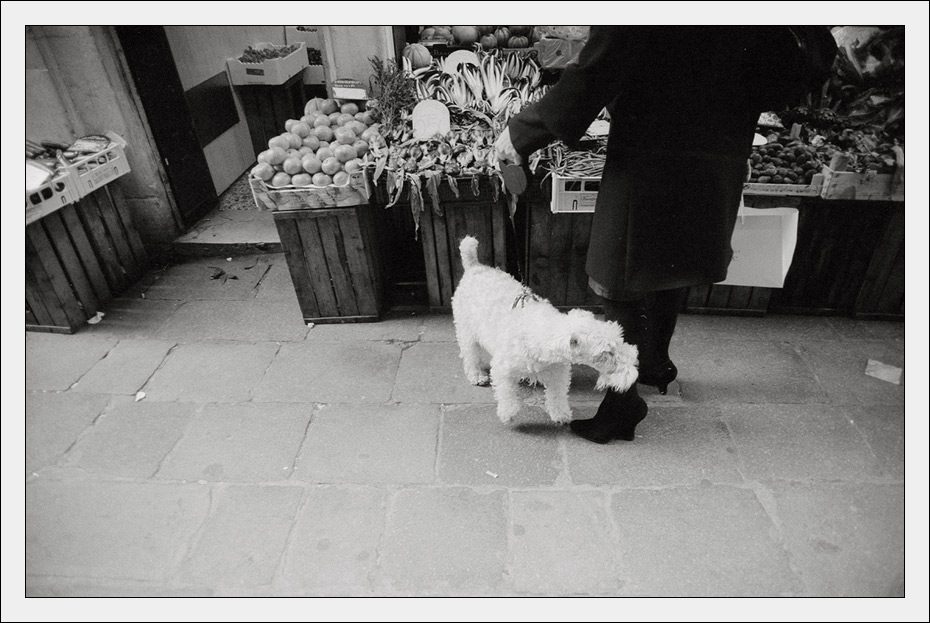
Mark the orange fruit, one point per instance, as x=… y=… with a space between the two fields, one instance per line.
x=350 y=108
x=277 y=156
x=344 y=153
x=302 y=179
x=343 y=119
x=289 y=124
x=311 y=164
x=321 y=120
x=301 y=129
x=328 y=106
x=361 y=147
x=312 y=142
x=331 y=166
x=333 y=118
x=293 y=141
x=353 y=165
x=341 y=178
x=292 y=166
x=325 y=152
x=321 y=179
x=278 y=141
x=262 y=171
x=324 y=133
x=344 y=136
x=280 y=179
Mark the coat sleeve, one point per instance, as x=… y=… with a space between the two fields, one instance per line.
x=585 y=87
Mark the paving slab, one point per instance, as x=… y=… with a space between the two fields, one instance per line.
x=276 y=285
x=116 y=530
x=42 y=586
x=54 y=420
x=244 y=537
x=673 y=446
x=563 y=544
x=56 y=362
x=704 y=541
x=444 y=541
x=840 y=368
x=477 y=449
x=333 y=550
x=437 y=328
x=132 y=317
x=246 y=321
x=733 y=371
x=882 y=428
x=773 y=327
x=849 y=328
x=432 y=372
x=348 y=371
x=799 y=442
x=396 y=327
x=208 y=372
x=126 y=367
x=370 y=444
x=193 y=280
x=846 y=540
x=239 y=443
x=132 y=438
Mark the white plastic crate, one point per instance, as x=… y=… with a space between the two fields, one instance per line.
x=53 y=195
x=271 y=72
x=574 y=194
x=356 y=192
x=92 y=172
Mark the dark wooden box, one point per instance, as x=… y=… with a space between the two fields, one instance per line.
x=78 y=258
x=334 y=261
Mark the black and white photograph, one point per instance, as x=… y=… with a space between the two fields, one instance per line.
x=445 y=323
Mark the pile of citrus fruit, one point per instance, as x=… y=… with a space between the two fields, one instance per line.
x=321 y=148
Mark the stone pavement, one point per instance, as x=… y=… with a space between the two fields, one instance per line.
x=270 y=458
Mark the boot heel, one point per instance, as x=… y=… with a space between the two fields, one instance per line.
x=627 y=430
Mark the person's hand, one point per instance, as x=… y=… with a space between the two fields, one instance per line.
x=505 y=149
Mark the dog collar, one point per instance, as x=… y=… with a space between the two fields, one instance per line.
x=525 y=294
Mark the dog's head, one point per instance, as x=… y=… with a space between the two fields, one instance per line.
x=599 y=344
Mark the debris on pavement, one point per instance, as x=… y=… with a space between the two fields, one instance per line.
x=883 y=371
x=96 y=318
x=140 y=396
x=491 y=474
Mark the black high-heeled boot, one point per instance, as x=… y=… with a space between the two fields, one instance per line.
x=616 y=418
x=656 y=367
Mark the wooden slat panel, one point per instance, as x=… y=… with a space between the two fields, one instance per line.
x=71 y=263
x=297 y=266
x=697 y=297
x=336 y=260
x=443 y=268
x=86 y=252
x=560 y=245
x=103 y=247
x=318 y=267
x=36 y=297
x=30 y=317
x=429 y=242
x=499 y=223
x=719 y=297
x=740 y=297
x=887 y=255
x=51 y=275
x=759 y=299
x=538 y=261
x=359 y=269
x=132 y=234
x=115 y=229
x=456 y=216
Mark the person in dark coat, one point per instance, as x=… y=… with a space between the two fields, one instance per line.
x=683 y=104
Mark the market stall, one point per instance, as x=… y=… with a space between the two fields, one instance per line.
x=827 y=177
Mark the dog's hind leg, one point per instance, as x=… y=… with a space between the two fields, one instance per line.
x=506 y=391
x=471 y=353
x=557 y=379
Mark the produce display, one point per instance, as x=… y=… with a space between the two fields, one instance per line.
x=488 y=37
x=320 y=149
x=260 y=55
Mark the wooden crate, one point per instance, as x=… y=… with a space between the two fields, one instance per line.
x=78 y=258
x=557 y=247
x=334 y=261
x=867 y=186
x=881 y=296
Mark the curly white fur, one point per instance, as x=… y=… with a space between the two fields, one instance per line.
x=506 y=333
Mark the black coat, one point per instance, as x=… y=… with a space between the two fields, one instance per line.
x=682 y=124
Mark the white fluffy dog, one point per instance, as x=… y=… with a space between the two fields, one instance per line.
x=500 y=322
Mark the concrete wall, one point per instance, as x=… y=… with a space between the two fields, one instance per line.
x=77 y=85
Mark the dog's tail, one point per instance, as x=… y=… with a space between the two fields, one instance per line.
x=468 y=249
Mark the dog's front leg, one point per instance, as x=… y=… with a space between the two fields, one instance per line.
x=505 y=382
x=470 y=352
x=557 y=379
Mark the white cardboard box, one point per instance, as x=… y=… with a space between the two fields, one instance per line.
x=763 y=246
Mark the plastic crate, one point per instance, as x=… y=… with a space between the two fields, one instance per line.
x=92 y=172
x=53 y=195
x=574 y=194
x=271 y=72
x=356 y=192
